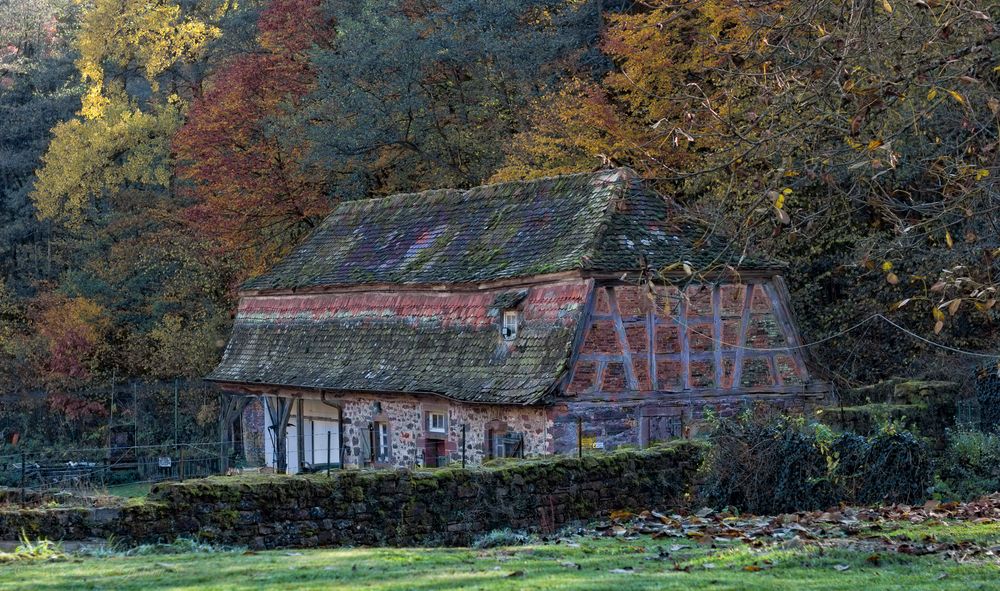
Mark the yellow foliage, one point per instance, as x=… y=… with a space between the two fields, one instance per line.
x=117 y=140
x=87 y=157
x=152 y=36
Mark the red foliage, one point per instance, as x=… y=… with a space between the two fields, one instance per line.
x=75 y=409
x=244 y=164
x=71 y=330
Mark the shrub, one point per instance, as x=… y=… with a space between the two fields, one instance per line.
x=897 y=469
x=970 y=466
x=33 y=550
x=764 y=462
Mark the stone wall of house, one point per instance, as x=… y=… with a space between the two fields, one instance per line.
x=384 y=507
x=406 y=417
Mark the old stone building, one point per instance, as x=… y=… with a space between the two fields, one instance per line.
x=510 y=319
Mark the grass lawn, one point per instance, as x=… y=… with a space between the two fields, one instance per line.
x=581 y=564
x=130 y=491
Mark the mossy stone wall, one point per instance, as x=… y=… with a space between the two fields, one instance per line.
x=386 y=508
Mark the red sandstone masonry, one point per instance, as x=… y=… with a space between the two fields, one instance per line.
x=473 y=309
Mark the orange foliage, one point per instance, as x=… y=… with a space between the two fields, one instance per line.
x=663 y=104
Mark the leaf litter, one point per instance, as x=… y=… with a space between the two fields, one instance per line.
x=854 y=528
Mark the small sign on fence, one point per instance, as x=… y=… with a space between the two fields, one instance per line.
x=163 y=461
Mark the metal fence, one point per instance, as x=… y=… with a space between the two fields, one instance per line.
x=83 y=470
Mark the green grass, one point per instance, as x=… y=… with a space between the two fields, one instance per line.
x=130 y=491
x=951 y=531
x=644 y=563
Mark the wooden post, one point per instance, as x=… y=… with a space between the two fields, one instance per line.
x=180 y=466
x=279 y=422
x=23 y=460
x=463 y=446
x=300 y=437
x=579 y=437
x=223 y=428
x=329 y=442
x=371 y=444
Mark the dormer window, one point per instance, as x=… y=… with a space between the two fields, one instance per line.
x=509 y=328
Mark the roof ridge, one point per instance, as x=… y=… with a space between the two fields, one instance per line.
x=353 y=205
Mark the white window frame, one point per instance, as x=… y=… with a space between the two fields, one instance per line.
x=431 y=415
x=508 y=329
x=383 y=440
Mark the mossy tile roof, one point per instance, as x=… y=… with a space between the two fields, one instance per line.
x=605 y=221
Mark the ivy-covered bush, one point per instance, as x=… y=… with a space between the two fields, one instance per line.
x=897 y=468
x=765 y=465
x=970 y=466
x=768 y=463
x=988 y=397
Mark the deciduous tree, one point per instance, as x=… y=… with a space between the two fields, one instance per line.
x=242 y=154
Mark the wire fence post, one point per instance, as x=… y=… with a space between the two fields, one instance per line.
x=463 y=446
x=329 y=441
x=579 y=437
x=180 y=466
x=176 y=440
x=23 y=460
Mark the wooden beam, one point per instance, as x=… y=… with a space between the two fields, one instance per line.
x=626 y=357
x=232 y=408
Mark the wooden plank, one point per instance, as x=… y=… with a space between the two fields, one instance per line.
x=630 y=278
x=717 y=332
x=780 y=301
x=630 y=380
x=420 y=287
x=742 y=338
x=682 y=330
x=695 y=396
x=651 y=344
x=581 y=333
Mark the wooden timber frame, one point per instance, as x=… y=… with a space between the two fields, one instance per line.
x=231 y=410
x=279 y=409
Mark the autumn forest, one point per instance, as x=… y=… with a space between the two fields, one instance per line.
x=155 y=155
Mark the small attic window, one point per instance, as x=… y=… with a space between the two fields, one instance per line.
x=509 y=328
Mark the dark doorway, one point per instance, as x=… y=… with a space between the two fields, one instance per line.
x=435 y=453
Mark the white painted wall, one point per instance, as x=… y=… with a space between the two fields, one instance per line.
x=318 y=419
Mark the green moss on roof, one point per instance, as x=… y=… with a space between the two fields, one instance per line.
x=605 y=221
